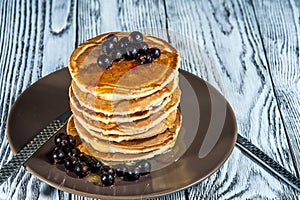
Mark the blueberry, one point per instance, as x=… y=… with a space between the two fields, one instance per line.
x=94 y=164
x=123 y=43
x=141 y=52
x=63 y=140
x=144 y=166
x=155 y=52
x=112 y=37
x=67 y=150
x=107 y=170
x=148 y=58
x=131 y=52
x=74 y=152
x=54 y=156
x=58 y=156
x=61 y=156
x=71 y=162
x=135 y=36
x=70 y=141
x=82 y=170
x=141 y=59
x=145 y=59
x=132 y=175
x=117 y=55
x=59 y=138
x=104 y=61
x=144 y=46
x=121 y=170
x=108 y=46
x=107 y=179
x=83 y=157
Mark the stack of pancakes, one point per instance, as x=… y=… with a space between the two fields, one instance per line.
x=129 y=111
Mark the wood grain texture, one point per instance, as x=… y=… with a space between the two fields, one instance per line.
x=38 y=39
x=227 y=33
x=252 y=59
x=280 y=36
x=17 y=72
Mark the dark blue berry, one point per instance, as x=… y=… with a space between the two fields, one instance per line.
x=107 y=170
x=112 y=37
x=149 y=58
x=135 y=36
x=58 y=156
x=74 y=152
x=104 y=61
x=144 y=46
x=121 y=170
x=66 y=149
x=117 y=55
x=141 y=52
x=145 y=59
x=108 y=46
x=71 y=162
x=132 y=175
x=107 y=179
x=144 y=166
x=70 y=141
x=94 y=164
x=155 y=52
x=123 y=43
x=83 y=157
x=59 y=138
x=82 y=170
x=131 y=52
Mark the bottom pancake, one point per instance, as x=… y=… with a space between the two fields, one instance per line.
x=129 y=152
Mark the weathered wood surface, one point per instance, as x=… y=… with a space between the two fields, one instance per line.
x=248 y=50
x=280 y=37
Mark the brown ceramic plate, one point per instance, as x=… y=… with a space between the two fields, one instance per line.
x=206 y=139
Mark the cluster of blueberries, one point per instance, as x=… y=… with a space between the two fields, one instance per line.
x=129 y=48
x=65 y=152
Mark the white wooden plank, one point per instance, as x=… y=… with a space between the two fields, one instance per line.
x=227 y=33
x=12 y=78
x=96 y=17
x=280 y=35
x=59 y=34
x=38 y=37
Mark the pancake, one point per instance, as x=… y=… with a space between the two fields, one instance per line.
x=160 y=128
x=121 y=157
x=125 y=79
x=130 y=146
x=91 y=147
x=109 y=121
x=114 y=117
x=122 y=107
x=134 y=127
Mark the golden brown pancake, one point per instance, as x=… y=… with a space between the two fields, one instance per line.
x=125 y=79
x=160 y=128
x=95 y=149
x=115 y=117
x=134 y=127
x=122 y=107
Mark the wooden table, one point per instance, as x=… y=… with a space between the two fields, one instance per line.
x=252 y=58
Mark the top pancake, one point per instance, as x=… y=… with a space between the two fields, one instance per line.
x=124 y=79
